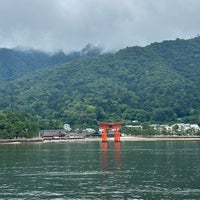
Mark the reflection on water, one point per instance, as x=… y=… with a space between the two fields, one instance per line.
x=96 y=170
x=116 y=157
x=117 y=146
x=105 y=155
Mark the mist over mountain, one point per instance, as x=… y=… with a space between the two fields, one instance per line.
x=158 y=83
x=17 y=62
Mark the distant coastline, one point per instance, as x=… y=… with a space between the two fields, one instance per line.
x=125 y=138
x=20 y=140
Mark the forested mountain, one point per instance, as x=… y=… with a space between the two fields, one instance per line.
x=15 y=63
x=158 y=83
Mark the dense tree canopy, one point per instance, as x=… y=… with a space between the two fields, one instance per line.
x=157 y=83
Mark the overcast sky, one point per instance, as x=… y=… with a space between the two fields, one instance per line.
x=112 y=24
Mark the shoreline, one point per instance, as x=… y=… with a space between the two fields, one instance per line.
x=161 y=138
x=88 y=139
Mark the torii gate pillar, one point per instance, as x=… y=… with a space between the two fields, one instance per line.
x=110 y=126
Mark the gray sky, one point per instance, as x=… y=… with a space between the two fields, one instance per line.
x=112 y=24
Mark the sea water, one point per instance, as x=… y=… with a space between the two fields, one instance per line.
x=96 y=170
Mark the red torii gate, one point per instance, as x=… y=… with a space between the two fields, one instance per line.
x=109 y=126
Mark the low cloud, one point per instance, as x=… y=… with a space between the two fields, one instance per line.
x=69 y=25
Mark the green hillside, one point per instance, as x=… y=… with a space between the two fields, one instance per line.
x=15 y=63
x=158 y=83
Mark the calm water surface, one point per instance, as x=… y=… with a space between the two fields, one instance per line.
x=95 y=170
